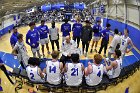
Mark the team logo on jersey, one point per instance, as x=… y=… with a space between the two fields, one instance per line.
x=33 y=35
x=78 y=26
x=43 y=28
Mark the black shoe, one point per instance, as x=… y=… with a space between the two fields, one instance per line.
x=91 y=51
x=95 y=50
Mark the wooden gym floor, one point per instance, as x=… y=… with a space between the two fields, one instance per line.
x=132 y=82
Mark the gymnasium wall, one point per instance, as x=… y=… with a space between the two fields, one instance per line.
x=8 y=23
x=134 y=33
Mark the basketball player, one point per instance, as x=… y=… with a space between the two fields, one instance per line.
x=22 y=52
x=77 y=28
x=43 y=31
x=125 y=42
x=65 y=29
x=94 y=71
x=96 y=29
x=33 y=36
x=105 y=39
x=74 y=71
x=54 y=36
x=114 y=68
x=13 y=38
x=116 y=41
x=54 y=69
x=86 y=36
x=33 y=71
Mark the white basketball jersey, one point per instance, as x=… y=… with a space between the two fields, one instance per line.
x=53 y=72
x=116 y=40
x=74 y=74
x=116 y=71
x=124 y=44
x=96 y=76
x=22 y=52
x=33 y=74
x=54 y=33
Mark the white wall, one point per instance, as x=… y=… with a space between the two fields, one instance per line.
x=9 y=20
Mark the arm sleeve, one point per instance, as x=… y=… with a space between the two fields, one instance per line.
x=73 y=27
x=62 y=28
x=12 y=41
x=27 y=39
x=82 y=32
x=70 y=28
x=15 y=48
x=47 y=29
x=90 y=37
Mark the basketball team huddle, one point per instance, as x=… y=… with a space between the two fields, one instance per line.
x=73 y=73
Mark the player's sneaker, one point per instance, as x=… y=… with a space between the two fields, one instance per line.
x=43 y=55
x=95 y=50
x=49 y=52
x=91 y=51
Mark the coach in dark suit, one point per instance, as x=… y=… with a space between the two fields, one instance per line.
x=86 y=36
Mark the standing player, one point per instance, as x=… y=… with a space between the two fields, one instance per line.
x=54 y=69
x=33 y=71
x=86 y=36
x=54 y=36
x=77 y=28
x=43 y=31
x=33 y=36
x=94 y=72
x=114 y=69
x=105 y=40
x=65 y=29
x=74 y=71
x=125 y=42
x=114 y=43
x=22 y=52
x=96 y=29
x=13 y=38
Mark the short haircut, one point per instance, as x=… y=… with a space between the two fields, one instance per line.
x=118 y=53
x=116 y=31
x=98 y=21
x=127 y=30
x=33 y=61
x=108 y=25
x=19 y=36
x=31 y=24
x=55 y=54
x=14 y=27
x=98 y=58
x=42 y=21
x=75 y=58
x=53 y=23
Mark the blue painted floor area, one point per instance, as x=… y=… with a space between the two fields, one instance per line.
x=10 y=61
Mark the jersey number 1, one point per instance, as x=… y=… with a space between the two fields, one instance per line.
x=52 y=69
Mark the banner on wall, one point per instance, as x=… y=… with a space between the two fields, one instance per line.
x=14 y=17
x=102 y=9
x=19 y=16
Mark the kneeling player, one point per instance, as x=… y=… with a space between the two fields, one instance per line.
x=94 y=72
x=33 y=71
x=54 y=69
x=74 y=71
x=114 y=68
